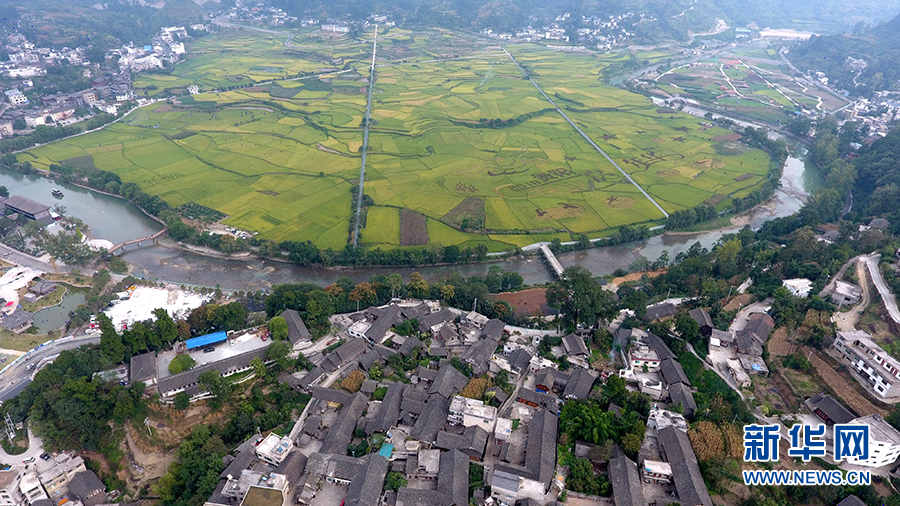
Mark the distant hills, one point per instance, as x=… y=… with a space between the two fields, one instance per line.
x=878 y=46
x=76 y=22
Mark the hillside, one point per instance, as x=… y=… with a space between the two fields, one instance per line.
x=878 y=46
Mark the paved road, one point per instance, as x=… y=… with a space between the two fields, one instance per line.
x=847 y=321
x=17 y=377
x=740 y=320
x=365 y=145
x=588 y=139
x=890 y=301
x=35 y=449
x=17 y=257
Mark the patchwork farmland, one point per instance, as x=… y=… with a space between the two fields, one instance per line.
x=462 y=149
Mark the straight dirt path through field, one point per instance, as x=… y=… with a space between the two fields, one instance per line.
x=365 y=145
x=590 y=141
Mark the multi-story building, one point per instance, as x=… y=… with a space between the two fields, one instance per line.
x=10 y=493
x=469 y=412
x=880 y=370
x=640 y=356
x=274 y=449
x=56 y=473
x=31 y=488
x=16 y=97
x=884 y=442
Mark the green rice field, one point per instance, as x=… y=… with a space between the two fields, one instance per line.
x=465 y=141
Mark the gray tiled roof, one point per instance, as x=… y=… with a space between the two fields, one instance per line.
x=580 y=382
x=344 y=353
x=472 y=442
x=449 y=381
x=479 y=355
x=297 y=330
x=540 y=449
x=143 y=367
x=689 y=484
x=416 y=497
x=313 y=375
x=432 y=319
x=87 y=487
x=659 y=346
x=331 y=395
x=389 y=410
x=493 y=329
x=759 y=325
x=226 y=366
x=431 y=420
x=626 y=483
x=681 y=394
x=828 y=406
x=519 y=360
x=292 y=467
x=383 y=324
x=574 y=345
x=672 y=372
x=453 y=478
x=406 y=349
x=365 y=488
x=23 y=204
x=658 y=311
x=17 y=319
x=702 y=318
x=852 y=500
x=341 y=433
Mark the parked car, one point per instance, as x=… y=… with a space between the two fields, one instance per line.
x=45 y=456
x=29 y=460
x=209 y=350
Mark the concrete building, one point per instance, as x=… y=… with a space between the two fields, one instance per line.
x=641 y=356
x=273 y=449
x=884 y=442
x=56 y=473
x=16 y=97
x=10 y=492
x=845 y=294
x=471 y=412
x=31 y=488
x=877 y=367
x=656 y=472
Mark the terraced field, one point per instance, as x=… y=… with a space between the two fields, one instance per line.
x=456 y=134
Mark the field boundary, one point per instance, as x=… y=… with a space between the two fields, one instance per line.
x=587 y=138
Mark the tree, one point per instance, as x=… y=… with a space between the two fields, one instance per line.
x=278 y=352
x=259 y=367
x=112 y=349
x=448 y=291
x=579 y=297
x=417 y=286
x=4 y=192
x=182 y=362
x=278 y=327
x=182 y=400
x=394 y=481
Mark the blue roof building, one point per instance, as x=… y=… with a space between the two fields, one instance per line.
x=199 y=342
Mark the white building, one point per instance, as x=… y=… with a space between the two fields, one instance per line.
x=274 y=449
x=31 y=488
x=10 y=493
x=469 y=412
x=798 y=287
x=336 y=28
x=503 y=429
x=880 y=369
x=659 y=419
x=884 y=442
x=16 y=97
x=640 y=356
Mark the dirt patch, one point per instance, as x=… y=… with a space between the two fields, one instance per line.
x=564 y=210
x=637 y=276
x=744 y=177
x=738 y=302
x=729 y=149
x=413 y=228
x=715 y=199
x=845 y=387
x=784 y=391
x=527 y=302
x=467 y=215
x=268 y=192
x=727 y=138
x=146 y=464
x=326 y=149
x=669 y=173
x=778 y=344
